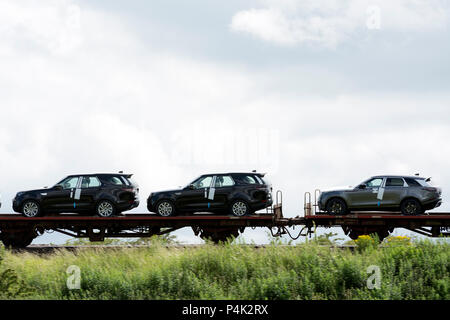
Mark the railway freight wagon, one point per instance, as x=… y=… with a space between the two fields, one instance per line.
x=18 y=231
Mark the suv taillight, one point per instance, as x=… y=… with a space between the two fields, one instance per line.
x=430 y=189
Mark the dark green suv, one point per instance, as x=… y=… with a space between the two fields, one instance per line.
x=411 y=195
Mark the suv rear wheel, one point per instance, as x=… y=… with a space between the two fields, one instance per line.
x=411 y=207
x=239 y=208
x=105 y=209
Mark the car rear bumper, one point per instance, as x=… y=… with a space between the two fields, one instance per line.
x=128 y=205
x=432 y=204
x=261 y=205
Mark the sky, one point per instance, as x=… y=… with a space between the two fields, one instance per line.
x=316 y=93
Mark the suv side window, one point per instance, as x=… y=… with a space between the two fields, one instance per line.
x=90 y=182
x=374 y=183
x=260 y=181
x=412 y=182
x=125 y=181
x=224 y=181
x=203 y=182
x=113 y=180
x=395 y=182
x=246 y=179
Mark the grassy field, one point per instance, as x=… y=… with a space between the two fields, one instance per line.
x=418 y=270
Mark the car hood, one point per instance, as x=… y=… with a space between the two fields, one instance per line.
x=337 y=189
x=167 y=191
x=35 y=191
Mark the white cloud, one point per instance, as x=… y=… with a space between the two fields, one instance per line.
x=274 y=25
x=53 y=25
x=113 y=102
x=329 y=23
x=109 y=103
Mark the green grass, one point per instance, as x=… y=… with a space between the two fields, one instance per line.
x=308 y=271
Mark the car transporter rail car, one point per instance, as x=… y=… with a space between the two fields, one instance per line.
x=17 y=231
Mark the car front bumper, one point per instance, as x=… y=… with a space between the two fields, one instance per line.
x=16 y=205
x=151 y=205
x=321 y=204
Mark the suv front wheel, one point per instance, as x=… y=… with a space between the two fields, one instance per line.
x=165 y=208
x=31 y=209
x=337 y=206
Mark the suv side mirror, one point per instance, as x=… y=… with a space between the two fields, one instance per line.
x=362 y=186
x=191 y=187
x=58 y=187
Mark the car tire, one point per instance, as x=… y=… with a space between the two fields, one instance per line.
x=31 y=209
x=165 y=208
x=411 y=207
x=105 y=209
x=336 y=206
x=239 y=208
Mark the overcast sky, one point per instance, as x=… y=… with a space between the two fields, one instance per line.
x=315 y=93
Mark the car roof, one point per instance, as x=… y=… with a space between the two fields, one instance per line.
x=101 y=174
x=234 y=173
x=397 y=176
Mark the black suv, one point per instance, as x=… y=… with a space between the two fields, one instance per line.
x=235 y=193
x=101 y=194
